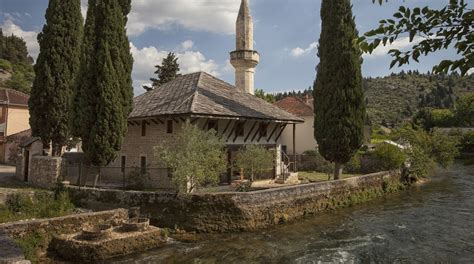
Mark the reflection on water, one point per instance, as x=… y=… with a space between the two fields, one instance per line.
x=429 y=223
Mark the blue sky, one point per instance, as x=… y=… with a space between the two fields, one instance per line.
x=201 y=32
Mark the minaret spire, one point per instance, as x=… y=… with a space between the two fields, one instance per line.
x=244 y=58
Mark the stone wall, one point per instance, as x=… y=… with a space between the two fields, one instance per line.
x=227 y=212
x=44 y=171
x=63 y=225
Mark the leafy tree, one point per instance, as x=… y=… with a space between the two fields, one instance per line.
x=104 y=93
x=262 y=95
x=194 y=156
x=56 y=71
x=434 y=30
x=465 y=110
x=338 y=93
x=254 y=160
x=388 y=157
x=167 y=71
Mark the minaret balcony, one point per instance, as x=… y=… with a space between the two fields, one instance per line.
x=245 y=55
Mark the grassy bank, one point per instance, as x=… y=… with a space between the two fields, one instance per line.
x=314 y=176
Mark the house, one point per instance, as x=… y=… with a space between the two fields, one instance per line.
x=238 y=116
x=14 y=122
x=304 y=140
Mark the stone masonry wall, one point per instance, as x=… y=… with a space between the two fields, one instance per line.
x=228 y=212
x=63 y=225
x=44 y=171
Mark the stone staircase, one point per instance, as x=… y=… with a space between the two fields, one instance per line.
x=286 y=176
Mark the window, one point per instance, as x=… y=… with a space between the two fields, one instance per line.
x=239 y=129
x=143 y=128
x=263 y=130
x=212 y=125
x=123 y=162
x=169 y=127
x=143 y=164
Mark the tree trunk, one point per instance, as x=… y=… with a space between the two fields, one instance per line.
x=337 y=170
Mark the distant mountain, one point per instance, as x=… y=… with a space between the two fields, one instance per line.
x=16 y=66
x=395 y=98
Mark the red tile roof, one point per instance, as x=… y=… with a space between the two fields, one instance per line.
x=12 y=97
x=295 y=106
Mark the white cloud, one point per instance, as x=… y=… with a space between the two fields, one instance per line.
x=146 y=58
x=399 y=44
x=216 y=16
x=30 y=37
x=187 y=45
x=298 y=52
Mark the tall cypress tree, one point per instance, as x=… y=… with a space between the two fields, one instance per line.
x=104 y=94
x=56 y=71
x=338 y=93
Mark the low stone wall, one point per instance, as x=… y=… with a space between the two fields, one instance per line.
x=44 y=171
x=63 y=225
x=227 y=212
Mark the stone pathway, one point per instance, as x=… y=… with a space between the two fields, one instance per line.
x=9 y=251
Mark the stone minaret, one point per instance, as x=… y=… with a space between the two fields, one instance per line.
x=244 y=58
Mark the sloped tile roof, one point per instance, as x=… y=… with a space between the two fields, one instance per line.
x=201 y=94
x=295 y=106
x=12 y=97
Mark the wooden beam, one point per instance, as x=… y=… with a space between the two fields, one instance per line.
x=232 y=130
x=176 y=121
x=161 y=121
x=137 y=123
x=250 y=132
x=130 y=123
x=205 y=124
x=154 y=121
x=226 y=127
x=256 y=132
x=146 y=122
x=273 y=132
x=243 y=127
x=281 y=131
x=182 y=119
x=294 y=147
x=194 y=120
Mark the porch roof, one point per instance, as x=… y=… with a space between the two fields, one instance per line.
x=203 y=95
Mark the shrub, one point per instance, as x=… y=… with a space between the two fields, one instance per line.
x=319 y=162
x=467 y=142
x=388 y=157
x=254 y=160
x=138 y=179
x=195 y=157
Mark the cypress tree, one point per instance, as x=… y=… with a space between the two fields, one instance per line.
x=104 y=95
x=56 y=71
x=338 y=93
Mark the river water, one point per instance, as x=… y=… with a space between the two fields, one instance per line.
x=428 y=223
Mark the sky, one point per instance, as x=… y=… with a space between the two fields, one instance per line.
x=202 y=33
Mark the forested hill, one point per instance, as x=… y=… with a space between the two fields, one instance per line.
x=16 y=66
x=395 y=98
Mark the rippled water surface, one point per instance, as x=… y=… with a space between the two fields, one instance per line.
x=433 y=222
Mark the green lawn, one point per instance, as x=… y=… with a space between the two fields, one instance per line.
x=314 y=176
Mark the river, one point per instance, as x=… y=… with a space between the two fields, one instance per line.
x=428 y=223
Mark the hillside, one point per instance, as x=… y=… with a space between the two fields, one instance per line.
x=392 y=99
x=16 y=66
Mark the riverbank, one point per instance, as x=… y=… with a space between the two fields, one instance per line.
x=431 y=223
x=237 y=211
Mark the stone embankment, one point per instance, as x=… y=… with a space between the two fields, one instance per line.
x=234 y=211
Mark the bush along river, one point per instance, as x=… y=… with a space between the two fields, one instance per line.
x=428 y=223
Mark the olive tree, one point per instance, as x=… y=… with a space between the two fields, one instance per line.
x=194 y=156
x=254 y=160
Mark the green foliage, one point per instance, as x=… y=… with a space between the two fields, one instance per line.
x=434 y=30
x=254 y=160
x=40 y=205
x=56 y=71
x=138 y=179
x=195 y=157
x=262 y=95
x=388 y=157
x=320 y=162
x=338 y=94
x=33 y=244
x=444 y=148
x=167 y=71
x=467 y=142
x=465 y=110
x=15 y=60
x=103 y=96
x=420 y=163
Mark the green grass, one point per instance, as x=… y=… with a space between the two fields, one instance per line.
x=314 y=176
